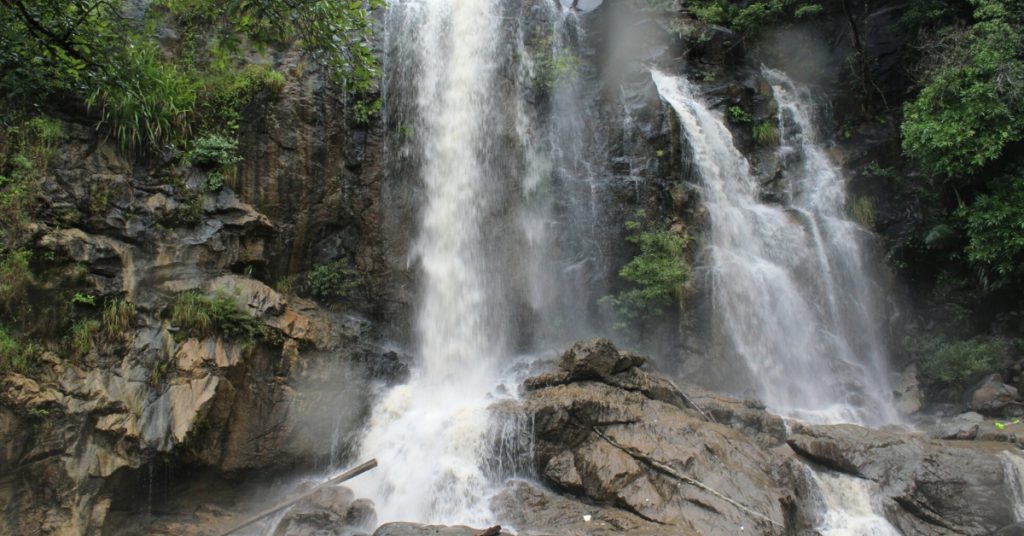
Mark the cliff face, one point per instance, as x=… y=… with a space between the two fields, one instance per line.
x=282 y=393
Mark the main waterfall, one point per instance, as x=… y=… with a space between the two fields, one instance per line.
x=792 y=297
x=460 y=73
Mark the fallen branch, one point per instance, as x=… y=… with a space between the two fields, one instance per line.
x=664 y=468
x=347 y=475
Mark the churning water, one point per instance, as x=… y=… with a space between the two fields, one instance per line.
x=792 y=297
x=484 y=251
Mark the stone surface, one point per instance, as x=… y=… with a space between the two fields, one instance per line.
x=991 y=396
x=416 y=529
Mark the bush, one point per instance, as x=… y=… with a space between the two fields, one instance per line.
x=201 y=315
x=995 y=232
x=737 y=114
x=15 y=356
x=658 y=273
x=15 y=276
x=214 y=152
x=331 y=281
x=957 y=363
x=147 y=102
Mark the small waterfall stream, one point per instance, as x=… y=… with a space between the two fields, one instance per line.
x=792 y=298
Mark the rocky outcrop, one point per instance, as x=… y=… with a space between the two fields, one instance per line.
x=621 y=450
x=609 y=431
x=927 y=486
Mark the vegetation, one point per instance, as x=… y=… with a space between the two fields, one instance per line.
x=15 y=356
x=766 y=133
x=750 y=18
x=737 y=114
x=202 y=315
x=657 y=273
x=959 y=362
x=59 y=52
x=332 y=281
x=553 y=65
x=118 y=316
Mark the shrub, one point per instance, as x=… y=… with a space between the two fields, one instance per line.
x=737 y=114
x=957 y=363
x=658 y=273
x=201 y=315
x=332 y=281
x=15 y=276
x=15 y=356
x=214 y=152
x=994 y=224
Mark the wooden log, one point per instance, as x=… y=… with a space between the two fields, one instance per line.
x=347 y=475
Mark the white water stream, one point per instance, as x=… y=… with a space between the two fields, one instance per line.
x=792 y=298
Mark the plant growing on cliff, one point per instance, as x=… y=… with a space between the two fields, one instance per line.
x=657 y=273
x=118 y=316
x=15 y=356
x=201 y=315
x=331 y=281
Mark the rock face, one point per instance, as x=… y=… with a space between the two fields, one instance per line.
x=611 y=432
x=623 y=451
x=144 y=230
x=992 y=395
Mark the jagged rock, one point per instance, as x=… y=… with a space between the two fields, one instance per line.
x=927 y=486
x=328 y=512
x=629 y=449
x=991 y=396
x=964 y=426
x=909 y=398
x=533 y=510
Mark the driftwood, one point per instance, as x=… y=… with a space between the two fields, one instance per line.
x=347 y=475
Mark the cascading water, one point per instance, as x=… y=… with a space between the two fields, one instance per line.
x=484 y=249
x=791 y=296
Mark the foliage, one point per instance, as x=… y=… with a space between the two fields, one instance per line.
x=972 y=105
x=335 y=33
x=83 y=299
x=80 y=340
x=737 y=114
x=332 y=281
x=15 y=356
x=553 y=65
x=766 y=133
x=202 y=315
x=749 y=18
x=214 y=152
x=118 y=316
x=15 y=276
x=657 y=273
x=994 y=225
x=145 y=101
x=959 y=362
x=87 y=51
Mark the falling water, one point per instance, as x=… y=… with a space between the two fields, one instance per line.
x=792 y=297
x=1013 y=469
x=482 y=163
x=843 y=505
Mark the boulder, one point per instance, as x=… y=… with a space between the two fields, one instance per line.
x=992 y=396
x=623 y=439
x=927 y=486
x=908 y=396
x=328 y=512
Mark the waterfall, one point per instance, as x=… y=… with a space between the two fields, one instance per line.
x=793 y=301
x=482 y=163
x=1013 y=469
x=844 y=505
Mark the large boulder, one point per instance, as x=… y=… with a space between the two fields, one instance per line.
x=624 y=439
x=992 y=396
x=927 y=486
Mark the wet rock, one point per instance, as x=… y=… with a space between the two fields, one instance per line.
x=927 y=486
x=991 y=396
x=328 y=512
x=909 y=398
x=534 y=510
x=631 y=449
x=964 y=427
x=416 y=529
